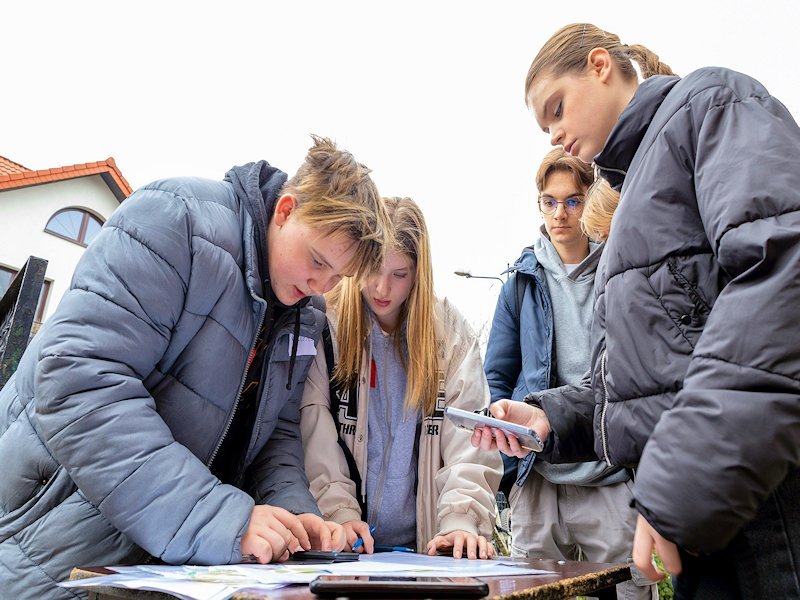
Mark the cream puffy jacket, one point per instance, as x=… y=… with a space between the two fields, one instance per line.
x=457 y=483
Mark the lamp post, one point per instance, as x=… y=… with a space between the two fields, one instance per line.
x=469 y=275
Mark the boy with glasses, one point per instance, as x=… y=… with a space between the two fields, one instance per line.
x=540 y=339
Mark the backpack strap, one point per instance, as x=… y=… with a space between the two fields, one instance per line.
x=335 y=401
x=520 y=283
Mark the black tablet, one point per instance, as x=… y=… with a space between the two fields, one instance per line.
x=396 y=587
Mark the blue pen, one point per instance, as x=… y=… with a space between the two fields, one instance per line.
x=359 y=541
x=393 y=549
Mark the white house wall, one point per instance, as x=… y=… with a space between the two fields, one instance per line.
x=24 y=213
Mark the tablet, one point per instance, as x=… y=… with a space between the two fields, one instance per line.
x=465 y=419
x=398 y=587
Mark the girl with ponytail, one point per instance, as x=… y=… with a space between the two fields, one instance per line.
x=695 y=374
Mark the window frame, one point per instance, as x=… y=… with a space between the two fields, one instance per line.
x=84 y=226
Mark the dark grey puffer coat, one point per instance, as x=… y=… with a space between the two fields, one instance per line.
x=124 y=396
x=696 y=358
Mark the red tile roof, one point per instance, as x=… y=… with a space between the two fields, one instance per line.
x=13 y=175
x=9 y=166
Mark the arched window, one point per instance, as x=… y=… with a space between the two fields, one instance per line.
x=74 y=224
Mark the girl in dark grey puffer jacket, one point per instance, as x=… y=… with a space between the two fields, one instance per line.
x=696 y=356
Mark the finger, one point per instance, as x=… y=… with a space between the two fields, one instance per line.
x=499 y=408
x=489 y=550
x=643 y=551
x=501 y=441
x=515 y=447
x=352 y=537
x=293 y=524
x=430 y=549
x=338 y=538
x=483 y=551
x=487 y=439
x=668 y=553
x=472 y=546
x=458 y=544
x=477 y=435
x=278 y=544
x=318 y=531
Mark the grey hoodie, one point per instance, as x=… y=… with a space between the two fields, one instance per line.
x=572 y=300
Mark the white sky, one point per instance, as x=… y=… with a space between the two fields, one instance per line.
x=429 y=94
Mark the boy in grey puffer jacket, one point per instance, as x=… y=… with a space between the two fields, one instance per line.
x=157 y=411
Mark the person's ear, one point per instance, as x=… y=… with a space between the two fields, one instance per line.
x=284 y=207
x=600 y=63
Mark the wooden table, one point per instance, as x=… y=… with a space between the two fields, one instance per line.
x=569 y=579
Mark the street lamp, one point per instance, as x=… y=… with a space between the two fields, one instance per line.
x=469 y=275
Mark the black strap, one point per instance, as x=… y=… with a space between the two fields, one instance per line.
x=520 y=283
x=335 y=401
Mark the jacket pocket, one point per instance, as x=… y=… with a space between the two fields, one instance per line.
x=693 y=282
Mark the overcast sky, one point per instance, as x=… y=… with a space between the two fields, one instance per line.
x=429 y=94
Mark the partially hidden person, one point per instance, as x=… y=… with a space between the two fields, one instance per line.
x=379 y=453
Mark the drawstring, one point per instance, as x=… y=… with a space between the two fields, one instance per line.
x=294 y=347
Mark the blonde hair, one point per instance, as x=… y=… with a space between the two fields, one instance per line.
x=353 y=320
x=336 y=195
x=567 y=50
x=598 y=209
x=559 y=160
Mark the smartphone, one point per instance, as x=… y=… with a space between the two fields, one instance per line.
x=465 y=419
x=330 y=556
x=398 y=587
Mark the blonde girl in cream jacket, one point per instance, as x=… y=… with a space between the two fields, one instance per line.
x=453 y=484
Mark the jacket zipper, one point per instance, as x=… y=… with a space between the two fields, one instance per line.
x=239 y=392
x=603 y=433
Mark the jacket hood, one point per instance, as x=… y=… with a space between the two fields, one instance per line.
x=257 y=185
x=623 y=142
x=543 y=253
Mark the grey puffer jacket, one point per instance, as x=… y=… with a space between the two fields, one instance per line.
x=696 y=352
x=124 y=396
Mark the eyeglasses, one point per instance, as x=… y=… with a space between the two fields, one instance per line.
x=550 y=205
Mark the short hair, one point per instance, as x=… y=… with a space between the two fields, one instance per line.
x=598 y=209
x=568 y=48
x=558 y=160
x=335 y=194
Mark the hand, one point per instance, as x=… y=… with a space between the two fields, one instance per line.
x=476 y=545
x=324 y=535
x=271 y=533
x=644 y=539
x=532 y=417
x=358 y=529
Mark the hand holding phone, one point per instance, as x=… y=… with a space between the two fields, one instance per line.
x=465 y=419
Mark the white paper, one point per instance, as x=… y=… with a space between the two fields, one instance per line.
x=219 y=582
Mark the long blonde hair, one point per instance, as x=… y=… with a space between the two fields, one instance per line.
x=567 y=50
x=353 y=320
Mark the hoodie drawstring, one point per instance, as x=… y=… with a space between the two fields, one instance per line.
x=295 y=340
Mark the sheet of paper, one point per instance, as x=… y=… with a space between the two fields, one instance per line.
x=219 y=582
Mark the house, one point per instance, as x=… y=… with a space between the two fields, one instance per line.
x=54 y=214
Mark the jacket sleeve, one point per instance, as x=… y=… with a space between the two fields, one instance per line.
x=570 y=411
x=326 y=467
x=732 y=435
x=278 y=469
x=98 y=419
x=469 y=477
x=503 y=356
